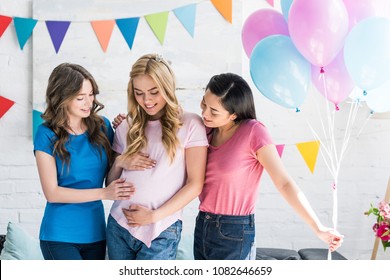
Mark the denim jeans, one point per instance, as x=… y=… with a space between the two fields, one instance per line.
x=53 y=250
x=123 y=246
x=223 y=237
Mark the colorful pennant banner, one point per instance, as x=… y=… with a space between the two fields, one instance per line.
x=224 y=8
x=57 y=31
x=36 y=121
x=158 y=23
x=128 y=28
x=186 y=15
x=280 y=149
x=103 y=29
x=309 y=152
x=24 y=28
x=4 y=22
x=5 y=105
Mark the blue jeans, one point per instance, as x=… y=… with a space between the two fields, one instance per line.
x=53 y=250
x=123 y=246
x=223 y=237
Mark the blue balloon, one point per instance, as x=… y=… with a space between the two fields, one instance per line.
x=285 y=5
x=367 y=52
x=279 y=71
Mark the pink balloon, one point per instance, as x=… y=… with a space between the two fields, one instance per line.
x=318 y=29
x=361 y=9
x=260 y=24
x=334 y=83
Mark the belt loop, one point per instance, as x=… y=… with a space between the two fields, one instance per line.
x=217 y=220
x=252 y=218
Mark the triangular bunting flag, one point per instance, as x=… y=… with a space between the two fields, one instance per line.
x=128 y=28
x=158 y=24
x=280 y=149
x=271 y=2
x=24 y=28
x=103 y=30
x=37 y=120
x=5 y=105
x=186 y=15
x=224 y=7
x=57 y=31
x=4 y=22
x=309 y=152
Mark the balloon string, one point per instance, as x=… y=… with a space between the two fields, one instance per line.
x=331 y=120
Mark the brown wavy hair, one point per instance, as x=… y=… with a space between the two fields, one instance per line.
x=162 y=74
x=65 y=82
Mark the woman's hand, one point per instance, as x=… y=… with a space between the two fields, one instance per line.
x=138 y=161
x=119 y=189
x=330 y=236
x=118 y=120
x=138 y=215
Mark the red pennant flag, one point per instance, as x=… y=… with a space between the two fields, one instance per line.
x=4 y=22
x=5 y=105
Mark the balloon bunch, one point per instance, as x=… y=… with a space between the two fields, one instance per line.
x=337 y=45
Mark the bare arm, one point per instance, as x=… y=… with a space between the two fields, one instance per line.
x=117 y=190
x=272 y=163
x=196 y=167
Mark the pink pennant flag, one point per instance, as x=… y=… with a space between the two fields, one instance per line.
x=5 y=105
x=103 y=30
x=57 y=31
x=271 y=2
x=4 y=22
x=280 y=149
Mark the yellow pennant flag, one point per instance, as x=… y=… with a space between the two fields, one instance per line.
x=309 y=152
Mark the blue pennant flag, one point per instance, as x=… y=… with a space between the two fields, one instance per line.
x=128 y=28
x=24 y=28
x=186 y=15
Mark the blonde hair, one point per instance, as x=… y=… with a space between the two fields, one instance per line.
x=161 y=73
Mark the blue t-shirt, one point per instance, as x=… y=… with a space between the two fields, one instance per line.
x=75 y=222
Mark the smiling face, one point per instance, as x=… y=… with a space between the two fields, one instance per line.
x=213 y=113
x=148 y=96
x=80 y=106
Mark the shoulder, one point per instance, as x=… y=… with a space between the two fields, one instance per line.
x=189 y=117
x=43 y=130
x=124 y=125
x=44 y=137
x=106 y=121
x=253 y=125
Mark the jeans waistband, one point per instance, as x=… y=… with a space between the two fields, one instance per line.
x=231 y=219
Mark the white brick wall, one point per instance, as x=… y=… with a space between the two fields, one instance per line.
x=363 y=176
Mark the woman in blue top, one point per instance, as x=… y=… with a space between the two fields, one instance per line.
x=73 y=154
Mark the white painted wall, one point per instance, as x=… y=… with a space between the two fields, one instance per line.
x=216 y=48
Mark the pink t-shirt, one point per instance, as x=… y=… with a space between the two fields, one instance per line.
x=233 y=171
x=157 y=185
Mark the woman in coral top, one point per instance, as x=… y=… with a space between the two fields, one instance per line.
x=240 y=148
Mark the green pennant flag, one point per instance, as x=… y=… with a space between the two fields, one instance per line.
x=158 y=24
